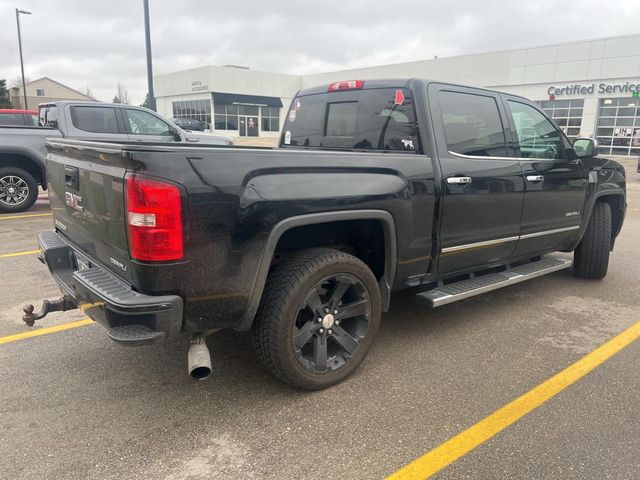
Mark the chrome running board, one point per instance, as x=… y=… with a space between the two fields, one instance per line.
x=452 y=292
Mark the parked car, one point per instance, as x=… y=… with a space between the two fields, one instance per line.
x=377 y=186
x=18 y=117
x=192 y=124
x=23 y=153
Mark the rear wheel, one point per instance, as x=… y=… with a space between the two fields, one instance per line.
x=18 y=190
x=591 y=258
x=319 y=313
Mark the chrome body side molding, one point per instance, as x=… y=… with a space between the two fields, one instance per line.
x=487 y=243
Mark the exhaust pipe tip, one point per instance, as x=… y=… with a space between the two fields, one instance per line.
x=199 y=358
x=200 y=373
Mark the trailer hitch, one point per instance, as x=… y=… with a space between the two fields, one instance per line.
x=62 y=304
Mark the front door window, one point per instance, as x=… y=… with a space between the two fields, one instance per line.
x=143 y=123
x=537 y=136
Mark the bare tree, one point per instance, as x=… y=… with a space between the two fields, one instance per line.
x=87 y=91
x=122 y=96
x=16 y=82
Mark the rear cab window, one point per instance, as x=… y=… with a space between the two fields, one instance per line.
x=381 y=119
x=48 y=115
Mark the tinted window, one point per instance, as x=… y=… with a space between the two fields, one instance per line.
x=11 y=119
x=341 y=119
x=143 y=123
x=366 y=120
x=472 y=124
x=537 y=137
x=94 y=119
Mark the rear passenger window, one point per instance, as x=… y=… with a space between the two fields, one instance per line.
x=472 y=124
x=11 y=119
x=94 y=119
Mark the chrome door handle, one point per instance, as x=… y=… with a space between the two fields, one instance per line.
x=458 y=180
x=535 y=178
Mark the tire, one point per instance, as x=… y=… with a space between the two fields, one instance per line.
x=591 y=258
x=294 y=335
x=18 y=190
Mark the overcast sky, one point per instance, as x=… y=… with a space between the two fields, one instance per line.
x=100 y=43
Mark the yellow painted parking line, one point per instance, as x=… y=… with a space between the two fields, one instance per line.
x=44 y=331
x=15 y=217
x=18 y=254
x=451 y=450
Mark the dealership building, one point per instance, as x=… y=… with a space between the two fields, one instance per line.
x=590 y=88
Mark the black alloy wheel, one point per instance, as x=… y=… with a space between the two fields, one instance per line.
x=319 y=313
x=332 y=322
x=18 y=190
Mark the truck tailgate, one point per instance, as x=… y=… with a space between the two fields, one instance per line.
x=86 y=188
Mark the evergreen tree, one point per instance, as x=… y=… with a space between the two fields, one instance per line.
x=5 y=101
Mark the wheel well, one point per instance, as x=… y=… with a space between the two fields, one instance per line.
x=616 y=202
x=362 y=238
x=24 y=162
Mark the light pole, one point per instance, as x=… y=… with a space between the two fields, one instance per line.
x=24 y=86
x=147 y=38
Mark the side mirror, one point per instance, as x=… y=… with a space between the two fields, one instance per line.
x=585 y=147
x=176 y=134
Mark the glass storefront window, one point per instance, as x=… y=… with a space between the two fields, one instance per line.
x=227 y=116
x=618 y=125
x=195 y=109
x=270 y=119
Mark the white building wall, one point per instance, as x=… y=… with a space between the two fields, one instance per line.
x=528 y=72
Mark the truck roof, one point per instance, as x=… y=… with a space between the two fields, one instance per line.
x=395 y=83
x=368 y=84
x=59 y=103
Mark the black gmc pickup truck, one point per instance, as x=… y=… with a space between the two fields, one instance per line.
x=376 y=186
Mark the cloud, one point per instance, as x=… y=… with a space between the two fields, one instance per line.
x=99 y=44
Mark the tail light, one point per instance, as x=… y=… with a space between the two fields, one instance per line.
x=346 y=85
x=154 y=219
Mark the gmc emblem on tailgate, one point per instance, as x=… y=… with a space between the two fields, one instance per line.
x=73 y=201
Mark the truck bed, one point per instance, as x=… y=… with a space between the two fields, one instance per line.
x=234 y=199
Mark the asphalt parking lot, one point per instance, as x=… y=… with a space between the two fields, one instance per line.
x=75 y=405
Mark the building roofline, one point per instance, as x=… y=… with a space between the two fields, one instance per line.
x=229 y=67
x=61 y=84
x=472 y=54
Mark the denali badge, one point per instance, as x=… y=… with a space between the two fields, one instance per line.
x=572 y=214
x=73 y=201
x=118 y=264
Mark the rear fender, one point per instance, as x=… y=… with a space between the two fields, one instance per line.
x=283 y=226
